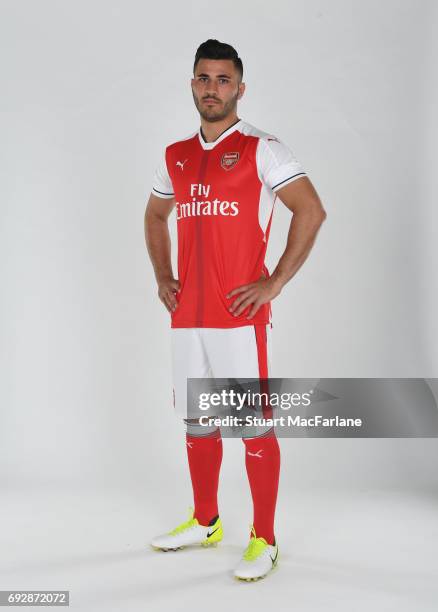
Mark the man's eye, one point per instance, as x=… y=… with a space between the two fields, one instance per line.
x=206 y=79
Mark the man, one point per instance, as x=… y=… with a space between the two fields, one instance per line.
x=223 y=180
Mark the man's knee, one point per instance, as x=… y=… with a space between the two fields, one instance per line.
x=194 y=428
x=262 y=432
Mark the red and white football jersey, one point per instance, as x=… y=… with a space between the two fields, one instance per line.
x=225 y=192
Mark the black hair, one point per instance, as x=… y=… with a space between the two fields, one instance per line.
x=214 y=49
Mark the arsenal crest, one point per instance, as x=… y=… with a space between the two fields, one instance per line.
x=229 y=160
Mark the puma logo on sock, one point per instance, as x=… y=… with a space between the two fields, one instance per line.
x=256 y=454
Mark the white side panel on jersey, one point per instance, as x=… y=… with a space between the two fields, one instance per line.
x=276 y=167
x=162 y=184
x=266 y=204
x=267 y=198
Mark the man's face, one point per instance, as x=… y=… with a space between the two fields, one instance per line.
x=216 y=88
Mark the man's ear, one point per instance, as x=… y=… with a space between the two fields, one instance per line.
x=241 y=90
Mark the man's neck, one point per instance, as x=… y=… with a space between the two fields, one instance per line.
x=213 y=129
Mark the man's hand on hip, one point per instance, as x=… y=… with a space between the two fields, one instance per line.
x=257 y=294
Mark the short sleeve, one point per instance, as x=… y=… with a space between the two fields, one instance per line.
x=162 y=184
x=276 y=164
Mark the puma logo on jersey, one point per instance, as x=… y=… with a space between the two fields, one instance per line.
x=181 y=164
x=256 y=454
x=190 y=444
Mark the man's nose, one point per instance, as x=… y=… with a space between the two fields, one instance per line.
x=211 y=88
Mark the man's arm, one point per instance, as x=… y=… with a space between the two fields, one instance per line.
x=158 y=244
x=302 y=200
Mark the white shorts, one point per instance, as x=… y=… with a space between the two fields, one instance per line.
x=210 y=352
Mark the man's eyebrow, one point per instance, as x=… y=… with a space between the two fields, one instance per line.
x=219 y=76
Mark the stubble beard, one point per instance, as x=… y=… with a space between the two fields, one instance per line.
x=218 y=112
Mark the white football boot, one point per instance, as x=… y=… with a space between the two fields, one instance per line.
x=190 y=533
x=259 y=558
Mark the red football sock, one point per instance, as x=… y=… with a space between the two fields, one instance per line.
x=262 y=460
x=205 y=458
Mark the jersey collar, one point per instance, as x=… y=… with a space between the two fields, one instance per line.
x=210 y=145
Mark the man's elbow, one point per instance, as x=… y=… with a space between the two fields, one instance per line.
x=153 y=216
x=319 y=215
x=322 y=215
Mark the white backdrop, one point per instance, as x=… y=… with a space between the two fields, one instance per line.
x=91 y=94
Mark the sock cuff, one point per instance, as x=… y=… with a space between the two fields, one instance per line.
x=195 y=430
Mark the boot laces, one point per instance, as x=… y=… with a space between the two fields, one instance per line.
x=255 y=547
x=189 y=524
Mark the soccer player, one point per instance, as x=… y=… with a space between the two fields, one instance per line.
x=223 y=181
